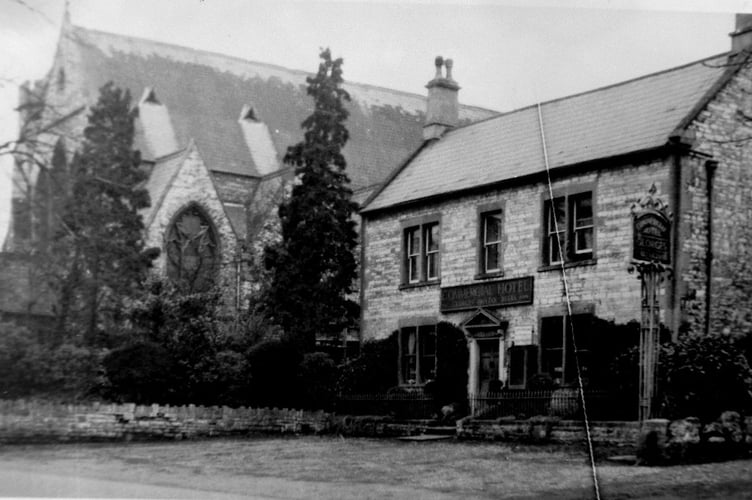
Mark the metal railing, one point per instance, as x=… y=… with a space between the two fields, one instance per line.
x=520 y=404
x=564 y=403
x=400 y=405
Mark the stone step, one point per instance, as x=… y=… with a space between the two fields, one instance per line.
x=442 y=430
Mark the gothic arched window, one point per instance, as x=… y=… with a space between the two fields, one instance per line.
x=192 y=250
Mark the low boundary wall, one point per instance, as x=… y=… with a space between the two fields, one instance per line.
x=549 y=430
x=33 y=421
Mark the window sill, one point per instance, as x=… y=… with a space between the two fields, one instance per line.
x=570 y=264
x=420 y=284
x=488 y=276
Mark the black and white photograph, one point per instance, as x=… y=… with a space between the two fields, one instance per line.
x=370 y=249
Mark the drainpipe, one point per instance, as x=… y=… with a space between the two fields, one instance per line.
x=238 y=269
x=362 y=290
x=710 y=168
x=675 y=284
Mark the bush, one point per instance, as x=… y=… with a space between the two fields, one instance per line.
x=318 y=377
x=30 y=368
x=273 y=366
x=374 y=371
x=452 y=359
x=702 y=374
x=141 y=373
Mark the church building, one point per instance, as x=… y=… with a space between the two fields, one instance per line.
x=212 y=131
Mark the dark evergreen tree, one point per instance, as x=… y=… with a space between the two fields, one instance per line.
x=99 y=245
x=313 y=267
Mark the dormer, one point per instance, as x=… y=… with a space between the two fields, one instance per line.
x=259 y=140
x=156 y=126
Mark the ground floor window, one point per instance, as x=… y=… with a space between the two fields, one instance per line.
x=523 y=365
x=418 y=354
x=558 y=337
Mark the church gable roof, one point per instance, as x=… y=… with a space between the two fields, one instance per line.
x=204 y=93
x=635 y=115
x=161 y=177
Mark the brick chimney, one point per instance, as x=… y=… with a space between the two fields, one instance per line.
x=442 y=105
x=741 y=37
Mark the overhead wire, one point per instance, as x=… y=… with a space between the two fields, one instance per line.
x=581 y=391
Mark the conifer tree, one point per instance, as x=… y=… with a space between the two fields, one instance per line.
x=100 y=243
x=313 y=266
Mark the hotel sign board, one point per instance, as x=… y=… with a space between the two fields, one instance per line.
x=652 y=237
x=511 y=292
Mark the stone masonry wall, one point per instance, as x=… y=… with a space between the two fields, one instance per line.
x=544 y=430
x=39 y=422
x=193 y=184
x=22 y=421
x=234 y=188
x=723 y=130
x=605 y=283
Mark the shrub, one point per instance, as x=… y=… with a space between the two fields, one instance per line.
x=141 y=373
x=318 y=376
x=273 y=366
x=702 y=374
x=451 y=367
x=374 y=371
x=29 y=367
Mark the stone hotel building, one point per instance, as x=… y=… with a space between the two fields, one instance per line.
x=479 y=226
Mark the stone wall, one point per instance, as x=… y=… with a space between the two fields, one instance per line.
x=40 y=422
x=194 y=185
x=723 y=130
x=22 y=421
x=234 y=188
x=603 y=284
x=549 y=430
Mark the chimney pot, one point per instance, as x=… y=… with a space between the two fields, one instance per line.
x=741 y=37
x=439 y=62
x=448 y=63
x=442 y=107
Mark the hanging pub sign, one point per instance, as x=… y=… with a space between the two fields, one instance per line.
x=515 y=291
x=652 y=237
x=652 y=230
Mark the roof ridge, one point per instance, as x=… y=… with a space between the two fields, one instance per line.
x=170 y=156
x=264 y=64
x=590 y=91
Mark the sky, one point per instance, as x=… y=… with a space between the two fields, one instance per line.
x=507 y=53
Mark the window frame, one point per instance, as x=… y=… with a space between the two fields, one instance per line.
x=414 y=264
x=568 y=230
x=483 y=212
x=213 y=270
x=423 y=329
x=566 y=347
x=430 y=252
x=527 y=355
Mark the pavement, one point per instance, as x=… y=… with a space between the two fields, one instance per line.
x=25 y=484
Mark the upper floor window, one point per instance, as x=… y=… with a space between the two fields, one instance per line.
x=421 y=253
x=568 y=224
x=491 y=242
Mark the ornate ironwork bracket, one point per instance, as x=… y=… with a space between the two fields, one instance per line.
x=652 y=245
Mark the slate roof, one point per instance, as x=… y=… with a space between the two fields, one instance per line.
x=631 y=116
x=205 y=92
